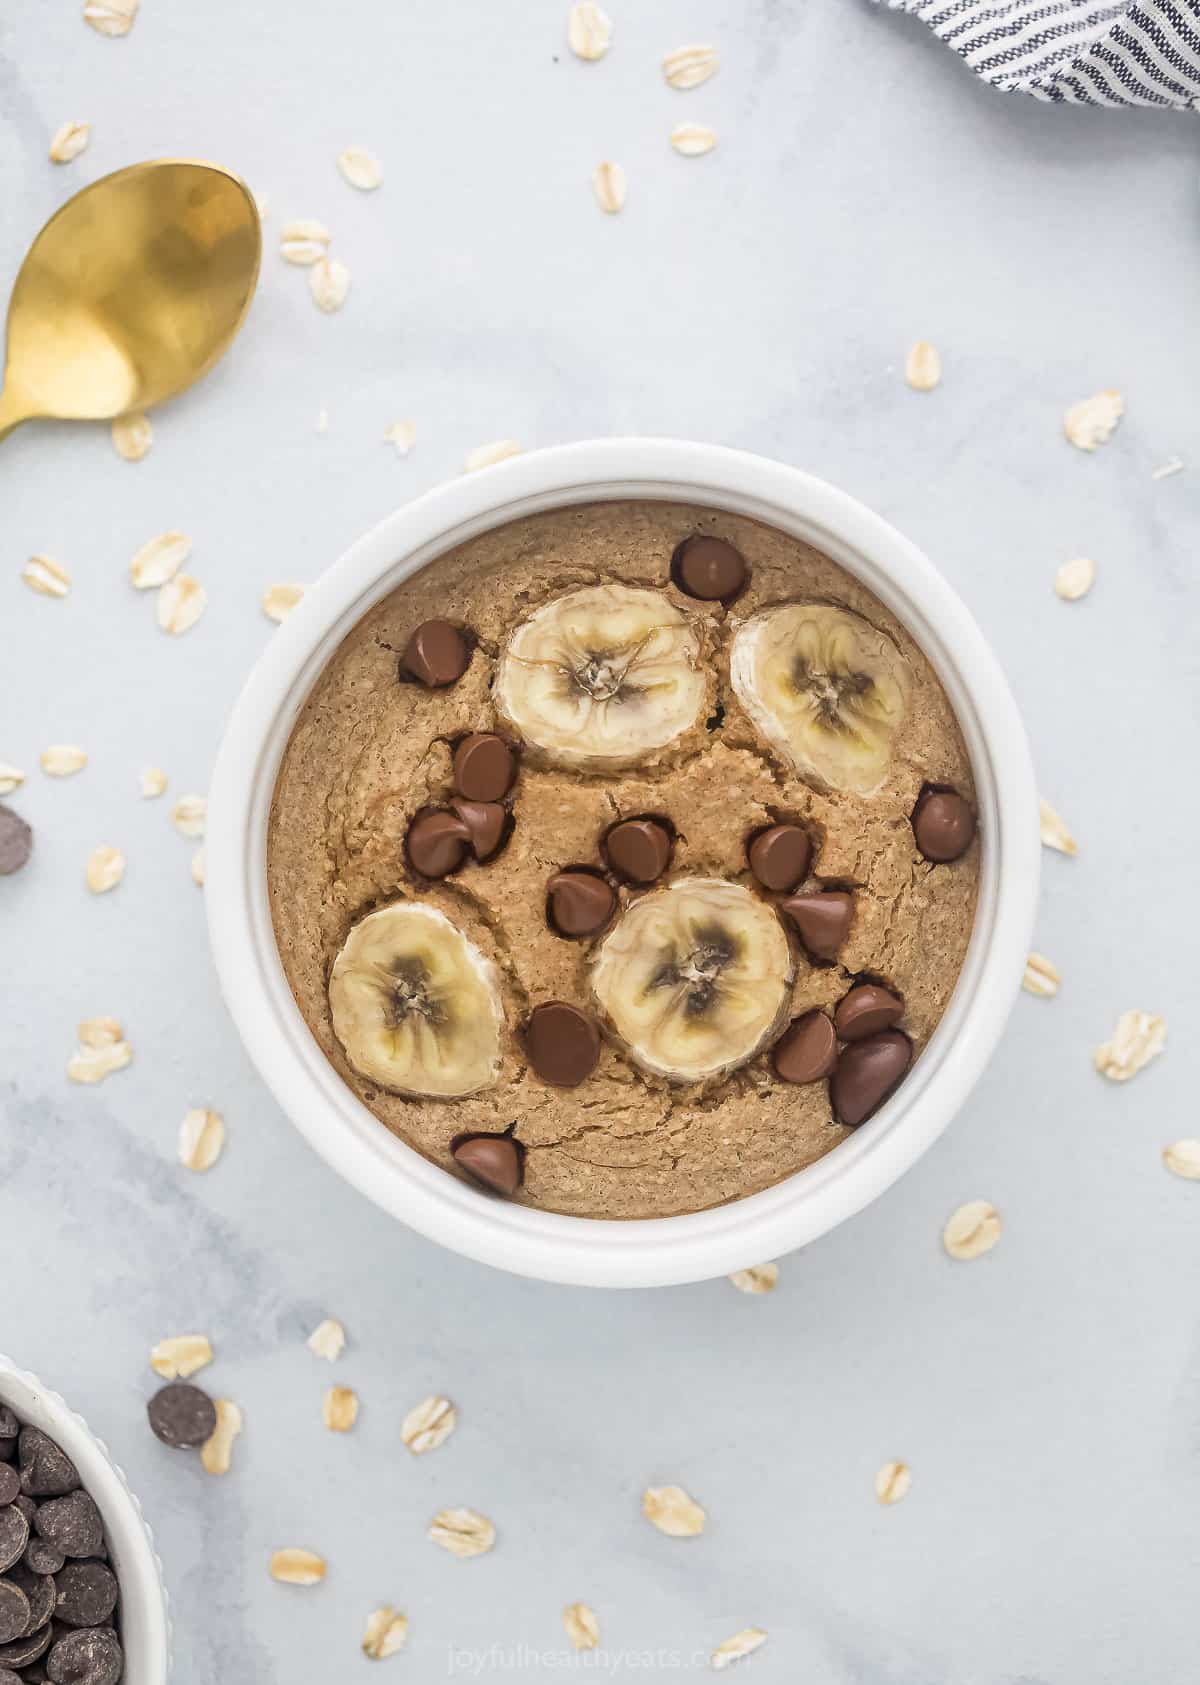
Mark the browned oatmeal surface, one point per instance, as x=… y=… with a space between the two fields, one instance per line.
x=369 y=751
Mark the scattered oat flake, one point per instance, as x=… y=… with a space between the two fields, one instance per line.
x=1041 y=976
x=329 y=282
x=217 y=1451
x=687 y=67
x=152 y=782
x=100 y=1032
x=339 y=1410
x=361 y=168
x=589 y=30
x=1090 y=423
x=1183 y=1159
x=741 y=1644
x=63 y=760
x=181 y=602
x=486 y=456
x=1053 y=829
x=69 y=142
x=49 y=579
x=759 y=1278
x=132 y=436
x=278 y=601
x=462 y=1532
x=608 y=184
x=327 y=1340
x=1138 y=1038
x=403 y=435
x=583 y=1629
x=386 y=1633
x=673 y=1512
x=93 y=1064
x=201 y=1138
x=181 y=1355
x=693 y=140
x=190 y=815
x=199 y=867
x=973 y=1230
x=1075 y=579
x=159 y=560
x=428 y=1424
x=1173 y=465
x=297 y=1567
x=105 y=869
x=11 y=777
x=893 y=1482
x=111 y=17
x=304 y=241
x=923 y=366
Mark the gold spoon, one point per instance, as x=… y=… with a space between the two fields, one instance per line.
x=131 y=292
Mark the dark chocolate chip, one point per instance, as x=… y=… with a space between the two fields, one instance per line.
x=14 y=1612
x=485 y=823
x=24 y=1651
x=563 y=1043
x=639 y=849
x=86 y=1594
x=943 y=824
x=822 y=921
x=16 y=841
x=10 y=1484
x=181 y=1415
x=41 y=1557
x=14 y=1535
x=91 y=1656
x=866 y=1010
x=73 y=1524
x=579 y=903
x=38 y=1590
x=46 y=1470
x=779 y=857
x=807 y=1049
x=709 y=568
x=494 y=1161
x=7 y=1678
x=436 y=654
x=26 y=1506
x=484 y=767
x=866 y=1073
x=438 y=842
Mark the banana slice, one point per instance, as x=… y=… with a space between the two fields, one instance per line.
x=415 y=1004
x=694 y=978
x=602 y=676
x=826 y=689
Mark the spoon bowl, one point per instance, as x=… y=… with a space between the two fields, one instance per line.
x=130 y=293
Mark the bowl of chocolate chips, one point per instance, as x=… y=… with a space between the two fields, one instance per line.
x=622 y=864
x=82 y=1600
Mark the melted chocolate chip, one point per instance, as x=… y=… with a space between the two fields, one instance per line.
x=943 y=824
x=563 y=1043
x=866 y=1010
x=484 y=767
x=866 y=1073
x=579 y=902
x=16 y=841
x=436 y=654
x=639 y=849
x=438 y=842
x=822 y=921
x=494 y=1161
x=181 y=1415
x=779 y=856
x=807 y=1049
x=710 y=569
x=485 y=821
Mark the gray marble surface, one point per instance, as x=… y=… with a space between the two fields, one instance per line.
x=865 y=192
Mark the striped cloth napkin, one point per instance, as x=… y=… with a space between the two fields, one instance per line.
x=1125 y=52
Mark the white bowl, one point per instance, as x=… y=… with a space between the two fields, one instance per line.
x=660 y=1250
x=145 y=1620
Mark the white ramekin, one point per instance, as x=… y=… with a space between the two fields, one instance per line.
x=145 y=1617
x=573 y=1249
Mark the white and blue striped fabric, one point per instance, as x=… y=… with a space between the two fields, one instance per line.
x=1125 y=52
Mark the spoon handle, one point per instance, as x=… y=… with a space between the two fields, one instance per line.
x=13 y=411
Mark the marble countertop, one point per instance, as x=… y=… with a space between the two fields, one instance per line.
x=865 y=192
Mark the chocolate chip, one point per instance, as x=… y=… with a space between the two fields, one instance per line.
x=14 y=1612
x=485 y=823
x=38 y=1589
x=16 y=841
x=22 y=1652
x=46 y=1470
x=91 y=1656
x=866 y=1010
x=41 y=1557
x=26 y=1506
x=943 y=824
x=14 y=1535
x=779 y=856
x=86 y=1594
x=438 y=842
x=866 y=1073
x=579 y=902
x=639 y=849
x=494 y=1161
x=181 y=1415
x=10 y=1484
x=807 y=1049
x=563 y=1043
x=822 y=921
x=484 y=767
x=436 y=654
x=72 y=1523
x=708 y=568
x=7 y=1678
